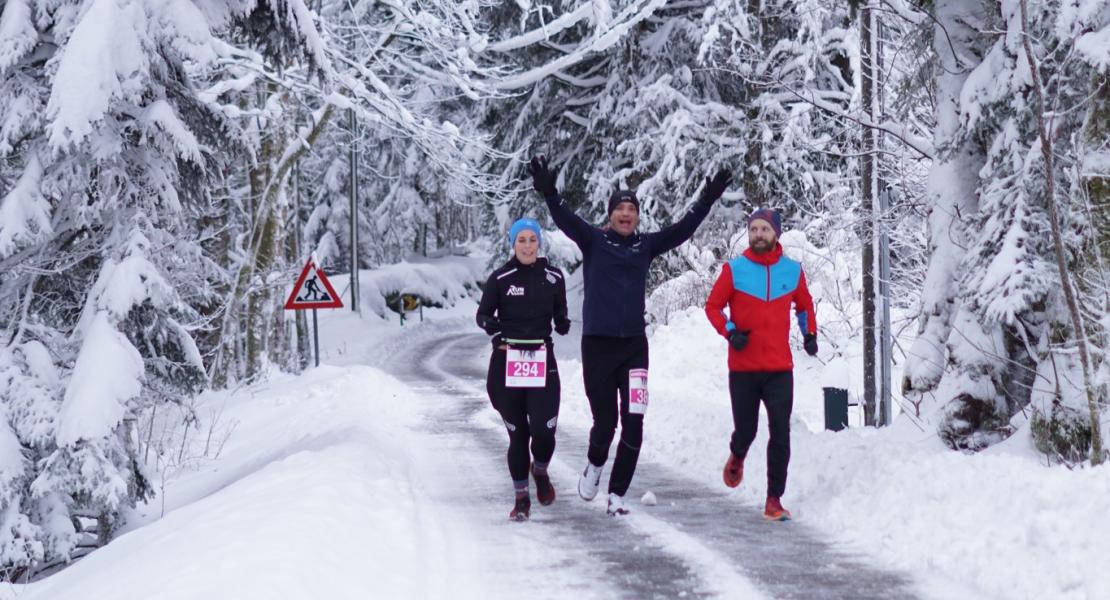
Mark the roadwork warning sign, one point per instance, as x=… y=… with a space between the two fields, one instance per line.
x=312 y=290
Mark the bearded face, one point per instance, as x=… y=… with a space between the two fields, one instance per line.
x=761 y=236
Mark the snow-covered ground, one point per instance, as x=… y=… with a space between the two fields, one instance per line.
x=318 y=494
x=328 y=488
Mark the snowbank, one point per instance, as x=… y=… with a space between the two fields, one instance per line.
x=443 y=281
x=301 y=443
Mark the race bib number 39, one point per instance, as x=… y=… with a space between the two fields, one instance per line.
x=526 y=368
x=637 y=391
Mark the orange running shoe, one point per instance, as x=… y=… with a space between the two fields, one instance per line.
x=734 y=470
x=774 y=510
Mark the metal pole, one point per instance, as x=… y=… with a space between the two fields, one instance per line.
x=885 y=331
x=316 y=336
x=868 y=189
x=354 y=208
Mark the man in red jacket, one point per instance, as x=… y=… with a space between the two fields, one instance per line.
x=758 y=288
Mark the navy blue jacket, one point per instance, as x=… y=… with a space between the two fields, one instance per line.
x=615 y=267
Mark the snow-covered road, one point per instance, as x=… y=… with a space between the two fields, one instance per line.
x=697 y=542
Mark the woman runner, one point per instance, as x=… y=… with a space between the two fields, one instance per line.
x=520 y=301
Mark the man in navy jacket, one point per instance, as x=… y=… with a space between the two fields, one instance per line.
x=614 y=344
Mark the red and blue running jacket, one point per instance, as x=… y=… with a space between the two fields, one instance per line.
x=758 y=290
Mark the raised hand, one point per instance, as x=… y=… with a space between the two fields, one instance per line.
x=543 y=178
x=716 y=185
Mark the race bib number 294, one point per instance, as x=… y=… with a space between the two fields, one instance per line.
x=637 y=391
x=526 y=368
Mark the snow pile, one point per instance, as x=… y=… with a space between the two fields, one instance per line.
x=986 y=520
x=442 y=281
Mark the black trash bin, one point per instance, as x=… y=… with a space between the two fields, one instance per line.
x=836 y=408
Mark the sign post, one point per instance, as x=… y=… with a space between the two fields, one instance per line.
x=313 y=290
x=410 y=303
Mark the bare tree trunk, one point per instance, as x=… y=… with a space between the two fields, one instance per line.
x=298 y=352
x=225 y=349
x=1058 y=243
x=262 y=242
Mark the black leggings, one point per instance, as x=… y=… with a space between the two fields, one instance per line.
x=528 y=413
x=776 y=390
x=605 y=365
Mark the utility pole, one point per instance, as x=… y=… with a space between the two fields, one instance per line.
x=886 y=334
x=354 y=207
x=871 y=187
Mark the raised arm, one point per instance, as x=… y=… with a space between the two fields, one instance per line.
x=543 y=180
x=675 y=235
x=671 y=237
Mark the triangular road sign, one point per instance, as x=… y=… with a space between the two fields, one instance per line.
x=312 y=290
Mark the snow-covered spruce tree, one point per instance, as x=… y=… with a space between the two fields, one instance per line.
x=32 y=528
x=108 y=143
x=996 y=336
x=405 y=204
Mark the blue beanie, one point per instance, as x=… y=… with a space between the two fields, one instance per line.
x=771 y=216
x=522 y=224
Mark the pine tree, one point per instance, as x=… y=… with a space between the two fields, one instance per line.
x=994 y=326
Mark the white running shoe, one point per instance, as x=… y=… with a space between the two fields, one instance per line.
x=616 y=506
x=589 y=481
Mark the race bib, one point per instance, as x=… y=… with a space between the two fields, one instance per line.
x=526 y=368
x=637 y=391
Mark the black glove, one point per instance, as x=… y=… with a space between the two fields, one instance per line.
x=738 y=339
x=492 y=325
x=543 y=179
x=716 y=186
x=810 y=344
x=562 y=327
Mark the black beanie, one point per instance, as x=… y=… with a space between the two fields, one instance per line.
x=623 y=196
